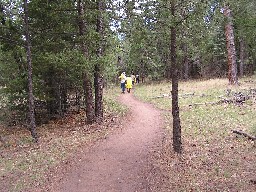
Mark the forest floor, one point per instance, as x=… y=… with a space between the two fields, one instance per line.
x=133 y=152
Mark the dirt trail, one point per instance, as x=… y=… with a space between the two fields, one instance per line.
x=120 y=162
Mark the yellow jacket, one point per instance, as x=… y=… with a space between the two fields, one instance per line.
x=128 y=82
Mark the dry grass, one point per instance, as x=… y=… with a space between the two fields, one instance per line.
x=213 y=158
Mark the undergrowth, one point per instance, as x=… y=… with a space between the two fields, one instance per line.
x=25 y=165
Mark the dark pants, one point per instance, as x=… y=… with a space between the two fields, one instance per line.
x=123 y=87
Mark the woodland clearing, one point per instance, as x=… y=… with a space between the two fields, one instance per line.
x=213 y=159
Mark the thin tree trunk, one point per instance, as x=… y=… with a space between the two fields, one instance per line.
x=177 y=145
x=30 y=82
x=98 y=77
x=229 y=32
x=242 y=56
x=90 y=116
x=87 y=83
x=64 y=96
x=98 y=86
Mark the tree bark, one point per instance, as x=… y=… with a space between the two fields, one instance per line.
x=87 y=83
x=98 y=86
x=98 y=77
x=90 y=115
x=31 y=103
x=229 y=32
x=177 y=145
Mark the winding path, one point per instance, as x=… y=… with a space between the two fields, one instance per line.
x=121 y=162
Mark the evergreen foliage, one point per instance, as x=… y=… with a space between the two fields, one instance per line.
x=135 y=38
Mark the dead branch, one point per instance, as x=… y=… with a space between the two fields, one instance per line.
x=162 y=96
x=187 y=94
x=239 y=132
x=205 y=103
x=169 y=95
x=248 y=81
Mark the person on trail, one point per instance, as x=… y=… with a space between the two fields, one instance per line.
x=128 y=84
x=122 y=77
x=137 y=78
x=142 y=78
x=133 y=79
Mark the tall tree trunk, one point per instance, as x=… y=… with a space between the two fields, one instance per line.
x=229 y=32
x=87 y=83
x=242 y=56
x=177 y=145
x=98 y=77
x=30 y=82
x=98 y=86
x=90 y=115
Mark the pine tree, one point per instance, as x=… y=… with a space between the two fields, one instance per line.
x=30 y=81
x=87 y=84
x=229 y=31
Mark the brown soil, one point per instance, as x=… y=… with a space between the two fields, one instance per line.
x=121 y=162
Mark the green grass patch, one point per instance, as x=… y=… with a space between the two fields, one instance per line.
x=111 y=101
x=199 y=117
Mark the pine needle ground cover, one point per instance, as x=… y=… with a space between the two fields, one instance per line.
x=214 y=158
x=25 y=165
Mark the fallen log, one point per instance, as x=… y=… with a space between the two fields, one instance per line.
x=239 y=132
